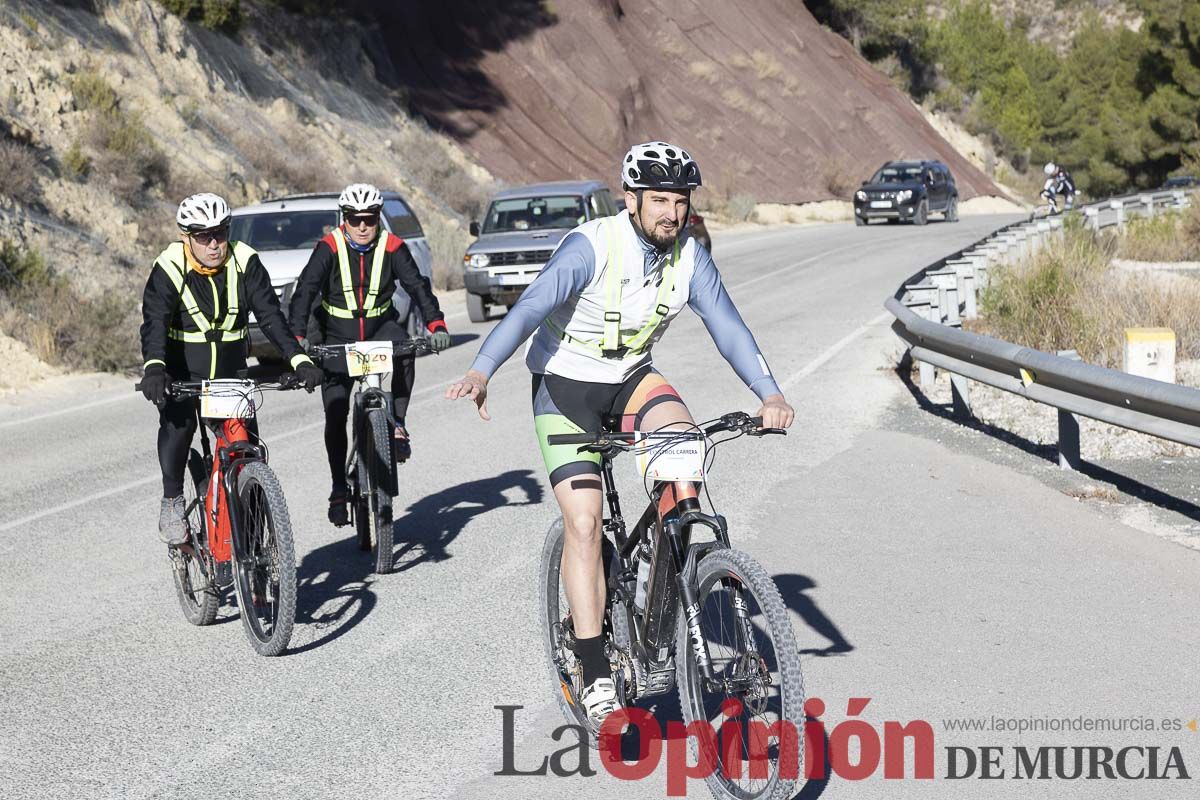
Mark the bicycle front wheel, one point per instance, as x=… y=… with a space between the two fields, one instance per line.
x=381 y=470
x=198 y=598
x=759 y=751
x=264 y=560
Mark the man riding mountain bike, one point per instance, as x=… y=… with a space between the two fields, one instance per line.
x=1058 y=181
x=195 y=306
x=606 y=295
x=350 y=278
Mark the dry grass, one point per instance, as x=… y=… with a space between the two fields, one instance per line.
x=447 y=243
x=18 y=171
x=841 y=178
x=63 y=326
x=766 y=66
x=1170 y=236
x=1070 y=297
x=706 y=71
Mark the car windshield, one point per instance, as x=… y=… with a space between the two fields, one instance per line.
x=534 y=213
x=893 y=174
x=283 y=230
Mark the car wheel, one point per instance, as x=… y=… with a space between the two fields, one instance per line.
x=859 y=221
x=952 y=210
x=922 y=215
x=476 y=308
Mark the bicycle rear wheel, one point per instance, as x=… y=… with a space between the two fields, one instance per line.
x=556 y=627
x=264 y=560
x=198 y=598
x=754 y=654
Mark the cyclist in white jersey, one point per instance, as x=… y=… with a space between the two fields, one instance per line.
x=606 y=295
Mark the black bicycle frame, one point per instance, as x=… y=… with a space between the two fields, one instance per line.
x=672 y=579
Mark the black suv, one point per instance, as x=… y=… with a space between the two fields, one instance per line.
x=907 y=190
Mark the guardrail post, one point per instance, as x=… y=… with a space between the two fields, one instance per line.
x=1068 y=430
x=928 y=377
x=970 y=310
x=960 y=395
x=1148 y=201
x=952 y=317
x=1093 y=218
x=1119 y=205
x=1181 y=200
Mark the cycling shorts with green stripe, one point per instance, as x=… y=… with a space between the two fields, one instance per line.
x=562 y=405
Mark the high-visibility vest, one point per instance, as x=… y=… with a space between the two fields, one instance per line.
x=173 y=262
x=369 y=308
x=611 y=345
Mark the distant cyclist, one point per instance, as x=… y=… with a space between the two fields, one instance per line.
x=1058 y=181
x=604 y=298
x=199 y=294
x=350 y=279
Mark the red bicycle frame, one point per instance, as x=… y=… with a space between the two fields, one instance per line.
x=216 y=505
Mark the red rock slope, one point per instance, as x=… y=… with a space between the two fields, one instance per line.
x=769 y=103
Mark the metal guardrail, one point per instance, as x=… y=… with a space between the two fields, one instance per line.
x=930 y=306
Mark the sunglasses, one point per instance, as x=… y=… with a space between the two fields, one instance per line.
x=206 y=238
x=357 y=220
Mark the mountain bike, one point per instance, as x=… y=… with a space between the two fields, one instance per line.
x=688 y=614
x=239 y=530
x=370 y=464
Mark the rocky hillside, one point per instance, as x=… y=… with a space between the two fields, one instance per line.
x=771 y=103
x=125 y=109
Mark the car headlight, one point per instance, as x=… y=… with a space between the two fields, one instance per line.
x=477 y=260
x=903 y=194
x=860 y=195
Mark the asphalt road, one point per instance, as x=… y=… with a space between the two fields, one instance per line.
x=931 y=580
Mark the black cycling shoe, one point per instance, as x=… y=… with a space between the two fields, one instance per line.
x=401 y=446
x=339 y=507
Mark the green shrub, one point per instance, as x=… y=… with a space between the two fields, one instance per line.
x=216 y=15
x=1164 y=237
x=75 y=163
x=92 y=92
x=128 y=153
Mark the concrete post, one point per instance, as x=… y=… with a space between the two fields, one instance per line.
x=1093 y=218
x=1119 y=205
x=970 y=309
x=928 y=377
x=952 y=317
x=1068 y=430
x=1148 y=202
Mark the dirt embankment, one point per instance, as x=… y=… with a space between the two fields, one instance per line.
x=770 y=103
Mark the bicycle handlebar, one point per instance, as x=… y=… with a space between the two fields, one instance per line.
x=417 y=344
x=182 y=390
x=736 y=421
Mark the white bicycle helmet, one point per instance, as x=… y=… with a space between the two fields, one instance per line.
x=201 y=212
x=1050 y=169
x=659 y=165
x=360 y=197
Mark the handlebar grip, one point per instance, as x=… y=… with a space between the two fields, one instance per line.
x=571 y=438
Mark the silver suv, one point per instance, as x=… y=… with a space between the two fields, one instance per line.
x=522 y=227
x=285 y=230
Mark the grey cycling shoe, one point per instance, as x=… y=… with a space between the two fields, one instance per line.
x=172 y=527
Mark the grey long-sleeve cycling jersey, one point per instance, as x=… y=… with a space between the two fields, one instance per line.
x=566 y=291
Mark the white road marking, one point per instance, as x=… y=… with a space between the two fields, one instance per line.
x=832 y=351
x=125 y=487
x=71 y=408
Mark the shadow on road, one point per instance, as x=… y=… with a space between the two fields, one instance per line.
x=1049 y=452
x=432 y=523
x=792 y=588
x=333 y=591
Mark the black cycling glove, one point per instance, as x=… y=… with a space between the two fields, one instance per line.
x=154 y=384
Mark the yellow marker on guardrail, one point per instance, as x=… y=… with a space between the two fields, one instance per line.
x=1150 y=353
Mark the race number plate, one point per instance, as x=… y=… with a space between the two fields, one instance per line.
x=369 y=358
x=227 y=399
x=671 y=461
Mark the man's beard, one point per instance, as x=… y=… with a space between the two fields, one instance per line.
x=659 y=240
